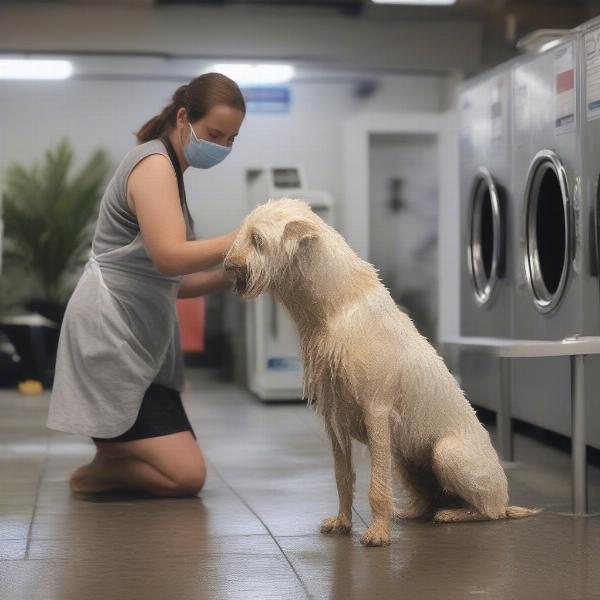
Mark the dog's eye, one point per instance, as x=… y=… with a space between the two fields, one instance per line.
x=257 y=241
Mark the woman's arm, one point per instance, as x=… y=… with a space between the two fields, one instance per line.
x=153 y=197
x=199 y=284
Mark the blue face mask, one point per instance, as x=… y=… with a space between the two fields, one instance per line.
x=203 y=154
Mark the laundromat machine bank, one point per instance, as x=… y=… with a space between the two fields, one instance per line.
x=530 y=220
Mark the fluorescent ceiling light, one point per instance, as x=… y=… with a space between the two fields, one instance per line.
x=417 y=2
x=28 y=68
x=549 y=45
x=243 y=73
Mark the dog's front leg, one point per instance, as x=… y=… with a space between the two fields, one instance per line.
x=344 y=478
x=380 y=496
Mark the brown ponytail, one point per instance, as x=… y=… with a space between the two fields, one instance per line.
x=197 y=97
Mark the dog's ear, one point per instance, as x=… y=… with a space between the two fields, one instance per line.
x=299 y=230
x=296 y=232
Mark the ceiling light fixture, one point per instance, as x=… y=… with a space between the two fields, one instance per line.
x=247 y=74
x=549 y=45
x=28 y=68
x=417 y=2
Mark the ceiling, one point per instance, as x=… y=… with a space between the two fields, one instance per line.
x=504 y=21
x=529 y=14
x=501 y=22
x=461 y=8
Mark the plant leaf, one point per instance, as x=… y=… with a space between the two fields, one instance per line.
x=48 y=215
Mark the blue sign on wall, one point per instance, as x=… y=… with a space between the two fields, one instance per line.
x=267 y=99
x=284 y=363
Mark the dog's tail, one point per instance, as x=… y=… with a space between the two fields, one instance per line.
x=519 y=512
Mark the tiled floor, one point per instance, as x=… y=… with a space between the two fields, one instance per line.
x=253 y=531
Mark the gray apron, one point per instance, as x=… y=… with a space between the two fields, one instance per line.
x=120 y=331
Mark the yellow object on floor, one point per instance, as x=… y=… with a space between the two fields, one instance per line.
x=30 y=387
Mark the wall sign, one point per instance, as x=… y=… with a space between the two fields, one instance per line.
x=267 y=99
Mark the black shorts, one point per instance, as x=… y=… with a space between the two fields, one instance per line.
x=161 y=413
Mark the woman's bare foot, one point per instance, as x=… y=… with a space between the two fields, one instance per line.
x=83 y=480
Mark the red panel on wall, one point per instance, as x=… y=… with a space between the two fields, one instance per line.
x=191 y=312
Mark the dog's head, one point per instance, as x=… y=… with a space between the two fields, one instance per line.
x=270 y=239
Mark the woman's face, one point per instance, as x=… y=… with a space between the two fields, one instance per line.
x=219 y=125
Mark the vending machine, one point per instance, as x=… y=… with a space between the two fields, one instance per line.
x=274 y=365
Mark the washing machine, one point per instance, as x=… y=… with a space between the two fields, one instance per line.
x=556 y=292
x=548 y=246
x=485 y=179
x=589 y=45
x=552 y=210
x=273 y=362
x=589 y=62
x=547 y=301
x=485 y=211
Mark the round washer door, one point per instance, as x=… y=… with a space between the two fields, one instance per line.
x=547 y=230
x=487 y=240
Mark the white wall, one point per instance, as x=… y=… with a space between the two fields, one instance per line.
x=315 y=133
x=92 y=114
x=95 y=114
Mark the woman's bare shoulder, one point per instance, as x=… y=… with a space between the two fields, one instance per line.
x=152 y=170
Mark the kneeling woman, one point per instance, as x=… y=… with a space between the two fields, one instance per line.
x=119 y=369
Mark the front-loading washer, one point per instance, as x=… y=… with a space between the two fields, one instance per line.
x=547 y=245
x=555 y=286
x=485 y=206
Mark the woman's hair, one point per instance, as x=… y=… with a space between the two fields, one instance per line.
x=197 y=97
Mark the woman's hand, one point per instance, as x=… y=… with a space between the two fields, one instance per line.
x=204 y=282
x=231 y=238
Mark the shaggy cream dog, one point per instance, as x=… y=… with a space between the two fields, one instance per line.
x=371 y=376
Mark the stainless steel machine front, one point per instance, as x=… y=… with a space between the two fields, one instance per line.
x=552 y=229
x=485 y=204
x=548 y=245
x=485 y=176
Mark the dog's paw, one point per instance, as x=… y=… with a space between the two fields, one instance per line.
x=339 y=524
x=376 y=535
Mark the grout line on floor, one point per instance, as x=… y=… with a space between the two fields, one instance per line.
x=37 y=493
x=137 y=559
x=320 y=434
x=249 y=507
x=323 y=437
x=359 y=516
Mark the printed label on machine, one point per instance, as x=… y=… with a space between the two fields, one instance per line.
x=466 y=128
x=497 y=114
x=592 y=74
x=521 y=106
x=564 y=86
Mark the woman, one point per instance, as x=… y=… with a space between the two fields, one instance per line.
x=119 y=369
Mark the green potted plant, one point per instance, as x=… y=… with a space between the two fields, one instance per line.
x=49 y=217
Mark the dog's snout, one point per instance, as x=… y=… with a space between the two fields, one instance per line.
x=238 y=270
x=238 y=273
x=231 y=265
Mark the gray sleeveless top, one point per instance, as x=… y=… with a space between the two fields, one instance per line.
x=120 y=331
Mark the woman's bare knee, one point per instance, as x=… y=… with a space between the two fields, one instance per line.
x=176 y=456
x=191 y=481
